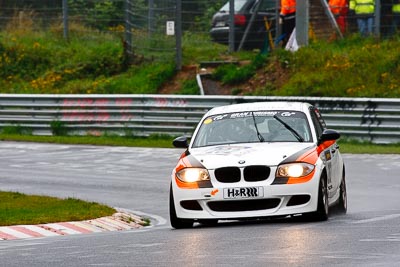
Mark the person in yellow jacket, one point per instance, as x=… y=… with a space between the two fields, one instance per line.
x=365 y=12
x=351 y=18
x=396 y=16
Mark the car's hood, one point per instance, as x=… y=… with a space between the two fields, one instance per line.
x=270 y=154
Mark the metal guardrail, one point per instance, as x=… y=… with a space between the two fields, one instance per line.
x=376 y=120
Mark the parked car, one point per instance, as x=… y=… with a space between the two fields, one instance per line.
x=244 y=9
x=257 y=160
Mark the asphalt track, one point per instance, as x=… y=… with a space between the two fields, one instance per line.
x=137 y=179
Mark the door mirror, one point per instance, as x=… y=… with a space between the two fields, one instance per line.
x=180 y=142
x=329 y=135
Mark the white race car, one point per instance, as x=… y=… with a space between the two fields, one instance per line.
x=257 y=160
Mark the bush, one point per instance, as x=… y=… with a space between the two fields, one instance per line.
x=233 y=74
x=190 y=87
x=58 y=128
x=16 y=130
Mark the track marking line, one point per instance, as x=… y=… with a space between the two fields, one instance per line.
x=377 y=219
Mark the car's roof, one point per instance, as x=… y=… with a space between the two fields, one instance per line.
x=295 y=106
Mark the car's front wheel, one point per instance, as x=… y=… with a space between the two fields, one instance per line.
x=342 y=204
x=322 y=212
x=176 y=222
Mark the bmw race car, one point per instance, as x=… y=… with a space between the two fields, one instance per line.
x=257 y=160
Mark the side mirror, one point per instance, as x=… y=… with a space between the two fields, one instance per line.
x=329 y=135
x=180 y=142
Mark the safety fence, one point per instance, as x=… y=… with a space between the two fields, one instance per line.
x=376 y=120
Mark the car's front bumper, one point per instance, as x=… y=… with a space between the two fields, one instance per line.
x=275 y=200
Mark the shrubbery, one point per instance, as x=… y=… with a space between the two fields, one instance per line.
x=354 y=67
x=51 y=65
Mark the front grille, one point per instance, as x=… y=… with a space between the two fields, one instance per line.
x=244 y=205
x=256 y=173
x=227 y=174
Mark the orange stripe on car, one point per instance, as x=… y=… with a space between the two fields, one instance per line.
x=302 y=179
x=188 y=161
x=192 y=185
x=311 y=156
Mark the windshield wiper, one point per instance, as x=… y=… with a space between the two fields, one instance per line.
x=287 y=126
x=260 y=137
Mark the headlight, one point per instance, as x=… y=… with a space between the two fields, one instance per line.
x=190 y=175
x=298 y=169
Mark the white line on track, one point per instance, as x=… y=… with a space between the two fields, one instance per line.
x=377 y=219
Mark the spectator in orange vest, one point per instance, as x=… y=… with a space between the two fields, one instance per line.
x=339 y=9
x=287 y=18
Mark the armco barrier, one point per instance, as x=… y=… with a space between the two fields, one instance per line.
x=376 y=120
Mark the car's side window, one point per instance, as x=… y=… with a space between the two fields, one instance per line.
x=318 y=122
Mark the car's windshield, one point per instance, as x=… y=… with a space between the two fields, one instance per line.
x=257 y=126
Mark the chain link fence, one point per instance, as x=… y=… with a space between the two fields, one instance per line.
x=159 y=29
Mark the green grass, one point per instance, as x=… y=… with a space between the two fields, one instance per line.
x=346 y=146
x=356 y=147
x=162 y=142
x=17 y=209
x=353 y=67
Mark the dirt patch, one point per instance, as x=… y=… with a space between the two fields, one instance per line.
x=175 y=85
x=271 y=76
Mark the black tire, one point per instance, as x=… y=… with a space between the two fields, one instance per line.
x=322 y=212
x=342 y=204
x=176 y=222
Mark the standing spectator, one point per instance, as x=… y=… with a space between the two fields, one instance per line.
x=364 y=10
x=396 y=16
x=287 y=18
x=339 y=9
x=351 y=18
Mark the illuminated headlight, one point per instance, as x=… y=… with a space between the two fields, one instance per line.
x=298 y=169
x=190 y=175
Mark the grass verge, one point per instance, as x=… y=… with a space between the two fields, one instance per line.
x=355 y=147
x=17 y=209
x=346 y=145
x=162 y=142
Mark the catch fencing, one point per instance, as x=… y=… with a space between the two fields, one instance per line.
x=375 y=120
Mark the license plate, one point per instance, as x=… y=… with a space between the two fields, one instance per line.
x=243 y=192
x=220 y=24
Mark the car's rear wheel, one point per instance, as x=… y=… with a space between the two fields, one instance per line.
x=342 y=204
x=176 y=222
x=322 y=212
